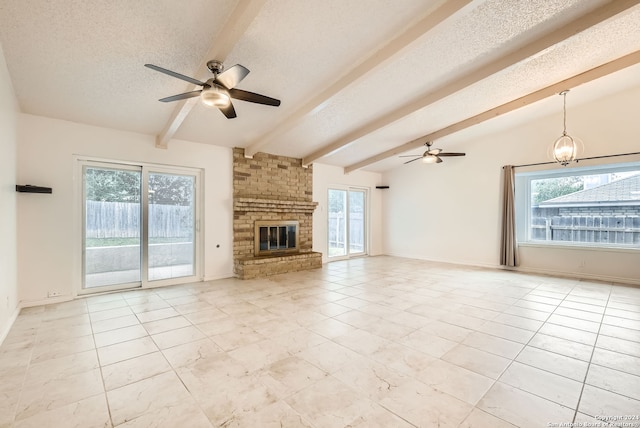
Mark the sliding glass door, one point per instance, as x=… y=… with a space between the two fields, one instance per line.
x=112 y=226
x=337 y=223
x=356 y=214
x=139 y=225
x=171 y=225
x=347 y=222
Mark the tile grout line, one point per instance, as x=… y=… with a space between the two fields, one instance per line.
x=593 y=351
x=373 y=360
x=527 y=344
x=567 y=297
x=24 y=377
x=163 y=356
x=173 y=369
x=104 y=386
x=512 y=360
x=474 y=406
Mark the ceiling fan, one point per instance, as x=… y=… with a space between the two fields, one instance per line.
x=218 y=90
x=431 y=155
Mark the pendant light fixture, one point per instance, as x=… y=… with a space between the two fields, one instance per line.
x=565 y=149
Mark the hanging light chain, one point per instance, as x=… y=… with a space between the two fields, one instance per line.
x=564 y=111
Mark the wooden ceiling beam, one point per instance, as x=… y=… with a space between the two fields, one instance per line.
x=222 y=44
x=513 y=57
x=572 y=82
x=373 y=61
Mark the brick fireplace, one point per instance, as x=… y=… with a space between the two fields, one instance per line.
x=272 y=192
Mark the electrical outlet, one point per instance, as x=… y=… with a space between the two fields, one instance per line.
x=54 y=293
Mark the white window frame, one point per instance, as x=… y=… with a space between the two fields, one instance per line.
x=366 y=213
x=523 y=203
x=80 y=162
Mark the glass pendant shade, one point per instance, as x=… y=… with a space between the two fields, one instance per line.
x=215 y=96
x=565 y=150
x=429 y=159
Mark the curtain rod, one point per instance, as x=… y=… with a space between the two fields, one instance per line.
x=578 y=160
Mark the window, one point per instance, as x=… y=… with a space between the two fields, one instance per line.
x=585 y=206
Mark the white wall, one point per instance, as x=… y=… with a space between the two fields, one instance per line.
x=451 y=211
x=325 y=177
x=8 y=239
x=48 y=225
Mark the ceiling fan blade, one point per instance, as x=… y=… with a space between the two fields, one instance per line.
x=452 y=154
x=229 y=111
x=413 y=160
x=181 y=96
x=232 y=76
x=251 y=97
x=174 y=74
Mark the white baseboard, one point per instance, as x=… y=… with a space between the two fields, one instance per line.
x=12 y=319
x=436 y=260
x=47 y=301
x=69 y=297
x=535 y=271
x=224 y=276
x=577 y=275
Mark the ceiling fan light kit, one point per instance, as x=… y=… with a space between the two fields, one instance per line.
x=565 y=148
x=218 y=91
x=427 y=158
x=215 y=96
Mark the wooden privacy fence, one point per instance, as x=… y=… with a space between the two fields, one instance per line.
x=621 y=230
x=122 y=220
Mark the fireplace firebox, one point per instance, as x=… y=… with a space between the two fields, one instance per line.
x=275 y=237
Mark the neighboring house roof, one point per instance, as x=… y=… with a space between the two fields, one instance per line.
x=620 y=192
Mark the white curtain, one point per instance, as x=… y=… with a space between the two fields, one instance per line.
x=508 y=247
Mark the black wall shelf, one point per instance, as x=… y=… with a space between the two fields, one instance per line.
x=28 y=188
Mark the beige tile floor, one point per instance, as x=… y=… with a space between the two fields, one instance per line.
x=371 y=342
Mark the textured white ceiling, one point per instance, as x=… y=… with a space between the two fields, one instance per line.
x=294 y=49
x=554 y=65
x=82 y=60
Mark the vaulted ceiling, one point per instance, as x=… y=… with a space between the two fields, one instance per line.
x=360 y=81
